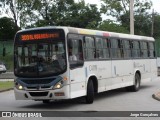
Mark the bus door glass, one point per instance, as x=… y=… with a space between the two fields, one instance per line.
x=75 y=53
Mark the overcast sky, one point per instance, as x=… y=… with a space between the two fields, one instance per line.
x=156 y=5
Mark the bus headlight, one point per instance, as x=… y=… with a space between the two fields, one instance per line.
x=58 y=85
x=18 y=86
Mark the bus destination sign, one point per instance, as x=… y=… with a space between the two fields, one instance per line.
x=38 y=36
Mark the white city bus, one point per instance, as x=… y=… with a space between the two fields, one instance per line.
x=53 y=63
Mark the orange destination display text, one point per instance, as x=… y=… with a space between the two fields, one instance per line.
x=39 y=36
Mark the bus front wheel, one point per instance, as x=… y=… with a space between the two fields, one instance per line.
x=90 y=92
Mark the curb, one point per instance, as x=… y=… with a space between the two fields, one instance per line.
x=6 y=80
x=6 y=90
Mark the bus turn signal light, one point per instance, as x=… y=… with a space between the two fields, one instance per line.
x=59 y=94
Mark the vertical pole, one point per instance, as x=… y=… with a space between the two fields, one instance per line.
x=152 y=29
x=131 y=17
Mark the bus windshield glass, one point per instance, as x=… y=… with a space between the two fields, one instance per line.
x=39 y=56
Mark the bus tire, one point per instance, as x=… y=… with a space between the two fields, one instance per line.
x=46 y=101
x=136 y=85
x=90 y=92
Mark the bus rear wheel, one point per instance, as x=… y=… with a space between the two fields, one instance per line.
x=90 y=92
x=136 y=85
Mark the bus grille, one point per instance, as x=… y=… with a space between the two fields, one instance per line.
x=37 y=94
x=45 y=87
x=38 y=81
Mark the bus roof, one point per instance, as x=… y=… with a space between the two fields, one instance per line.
x=108 y=34
x=94 y=32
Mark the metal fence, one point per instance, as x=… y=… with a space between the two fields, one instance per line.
x=157 y=45
x=7 y=45
x=6 y=53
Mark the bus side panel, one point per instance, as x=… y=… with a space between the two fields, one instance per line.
x=103 y=74
x=144 y=66
x=154 y=68
x=77 y=80
x=101 y=70
x=122 y=73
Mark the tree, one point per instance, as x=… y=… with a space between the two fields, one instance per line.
x=7 y=28
x=156 y=26
x=119 y=9
x=11 y=8
x=109 y=25
x=51 y=12
x=21 y=11
x=33 y=13
x=69 y=13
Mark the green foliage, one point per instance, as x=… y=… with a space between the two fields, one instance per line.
x=120 y=10
x=156 y=31
x=37 y=13
x=7 y=28
x=109 y=25
x=157 y=45
x=68 y=13
x=117 y=8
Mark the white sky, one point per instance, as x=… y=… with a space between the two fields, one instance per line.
x=156 y=5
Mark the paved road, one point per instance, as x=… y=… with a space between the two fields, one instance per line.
x=116 y=100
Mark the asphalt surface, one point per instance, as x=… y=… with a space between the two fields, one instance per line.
x=115 y=100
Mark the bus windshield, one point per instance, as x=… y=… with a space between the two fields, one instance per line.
x=39 y=59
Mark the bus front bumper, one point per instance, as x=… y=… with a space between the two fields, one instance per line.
x=55 y=94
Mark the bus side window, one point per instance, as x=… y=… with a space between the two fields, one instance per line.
x=144 y=49
x=116 y=48
x=106 y=46
x=151 y=50
x=89 y=48
x=127 y=48
x=99 y=48
x=136 y=52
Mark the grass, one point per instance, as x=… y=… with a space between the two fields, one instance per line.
x=6 y=85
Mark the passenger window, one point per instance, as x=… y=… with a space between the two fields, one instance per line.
x=99 y=48
x=106 y=53
x=151 y=50
x=144 y=49
x=136 y=52
x=102 y=51
x=89 y=48
x=127 y=48
x=116 y=48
